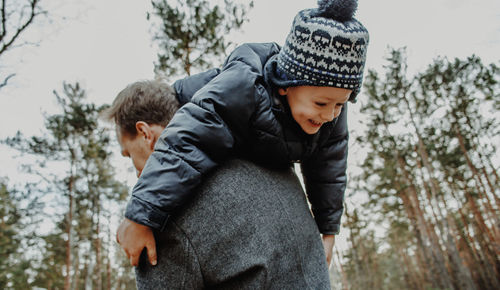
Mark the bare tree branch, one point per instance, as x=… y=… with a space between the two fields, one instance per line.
x=15 y=19
x=34 y=4
x=4 y=28
x=4 y=83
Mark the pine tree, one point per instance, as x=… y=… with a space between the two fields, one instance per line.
x=191 y=34
x=13 y=264
x=429 y=172
x=84 y=192
x=464 y=140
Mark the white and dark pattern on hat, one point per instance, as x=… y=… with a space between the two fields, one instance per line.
x=323 y=52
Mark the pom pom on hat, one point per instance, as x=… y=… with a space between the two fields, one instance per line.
x=340 y=10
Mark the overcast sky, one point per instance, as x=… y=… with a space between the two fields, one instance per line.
x=105 y=45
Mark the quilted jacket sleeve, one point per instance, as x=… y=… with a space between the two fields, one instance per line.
x=325 y=177
x=186 y=88
x=199 y=136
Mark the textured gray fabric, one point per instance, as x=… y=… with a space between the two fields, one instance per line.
x=248 y=228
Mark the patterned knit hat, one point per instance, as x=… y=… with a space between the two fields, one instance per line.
x=325 y=47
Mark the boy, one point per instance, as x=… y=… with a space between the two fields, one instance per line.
x=269 y=105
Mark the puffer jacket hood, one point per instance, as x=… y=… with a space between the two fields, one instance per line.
x=236 y=112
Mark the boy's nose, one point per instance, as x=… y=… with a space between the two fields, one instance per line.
x=329 y=115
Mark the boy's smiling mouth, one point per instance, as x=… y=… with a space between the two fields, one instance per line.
x=314 y=123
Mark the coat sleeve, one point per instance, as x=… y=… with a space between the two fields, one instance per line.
x=325 y=177
x=186 y=88
x=200 y=135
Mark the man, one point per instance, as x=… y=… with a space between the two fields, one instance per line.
x=247 y=227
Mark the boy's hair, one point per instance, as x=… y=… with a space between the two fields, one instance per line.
x=150 y=101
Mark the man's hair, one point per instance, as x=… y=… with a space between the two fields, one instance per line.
x=150 y=101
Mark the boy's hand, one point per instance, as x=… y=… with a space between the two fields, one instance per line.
x=133 y=238
x=328 y=243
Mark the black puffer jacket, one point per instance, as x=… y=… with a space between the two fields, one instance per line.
x=236 y=111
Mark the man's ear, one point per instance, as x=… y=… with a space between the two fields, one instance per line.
x=144 y=131
x=282 y=91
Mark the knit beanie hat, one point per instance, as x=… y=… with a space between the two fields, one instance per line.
x=325 y=47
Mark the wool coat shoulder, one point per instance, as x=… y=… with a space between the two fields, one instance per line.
x=235 y=112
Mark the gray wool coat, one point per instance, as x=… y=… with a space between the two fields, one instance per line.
x=247 y=227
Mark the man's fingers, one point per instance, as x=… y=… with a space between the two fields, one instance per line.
x=151 y=247
x=134 y=259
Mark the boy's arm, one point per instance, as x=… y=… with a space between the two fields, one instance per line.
x=325 y=178
x=186 y=88
x=200 y=135
x=328 y=243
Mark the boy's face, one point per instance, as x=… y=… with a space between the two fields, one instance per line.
x=313 y=106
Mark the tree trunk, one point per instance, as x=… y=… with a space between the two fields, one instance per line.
x=483 y=167
x=88 y=276
x=423 y=254
x=108 y=259
x=412 y=280
x=437 y=253
x=76 y=276
x=354 y=249
x=462 y=275
x=187 y=59
x=483 y=234
x=493 y=169
x=427 y=264
x=467 y=244
x=67 y=280
x=345 y=284
x=108 y=274
x=412 y=205
x=98 y=259
x=98 y=262
x=493 y=216
x=422 y=268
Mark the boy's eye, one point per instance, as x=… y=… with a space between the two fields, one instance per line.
x=320 y=104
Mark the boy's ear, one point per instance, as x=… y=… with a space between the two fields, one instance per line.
x=282 y=91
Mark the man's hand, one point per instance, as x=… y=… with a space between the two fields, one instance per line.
x=133 y=238
x=328 y=243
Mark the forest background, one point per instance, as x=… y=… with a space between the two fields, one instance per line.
x=422 y=207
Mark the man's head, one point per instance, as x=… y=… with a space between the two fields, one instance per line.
x=140 y=112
